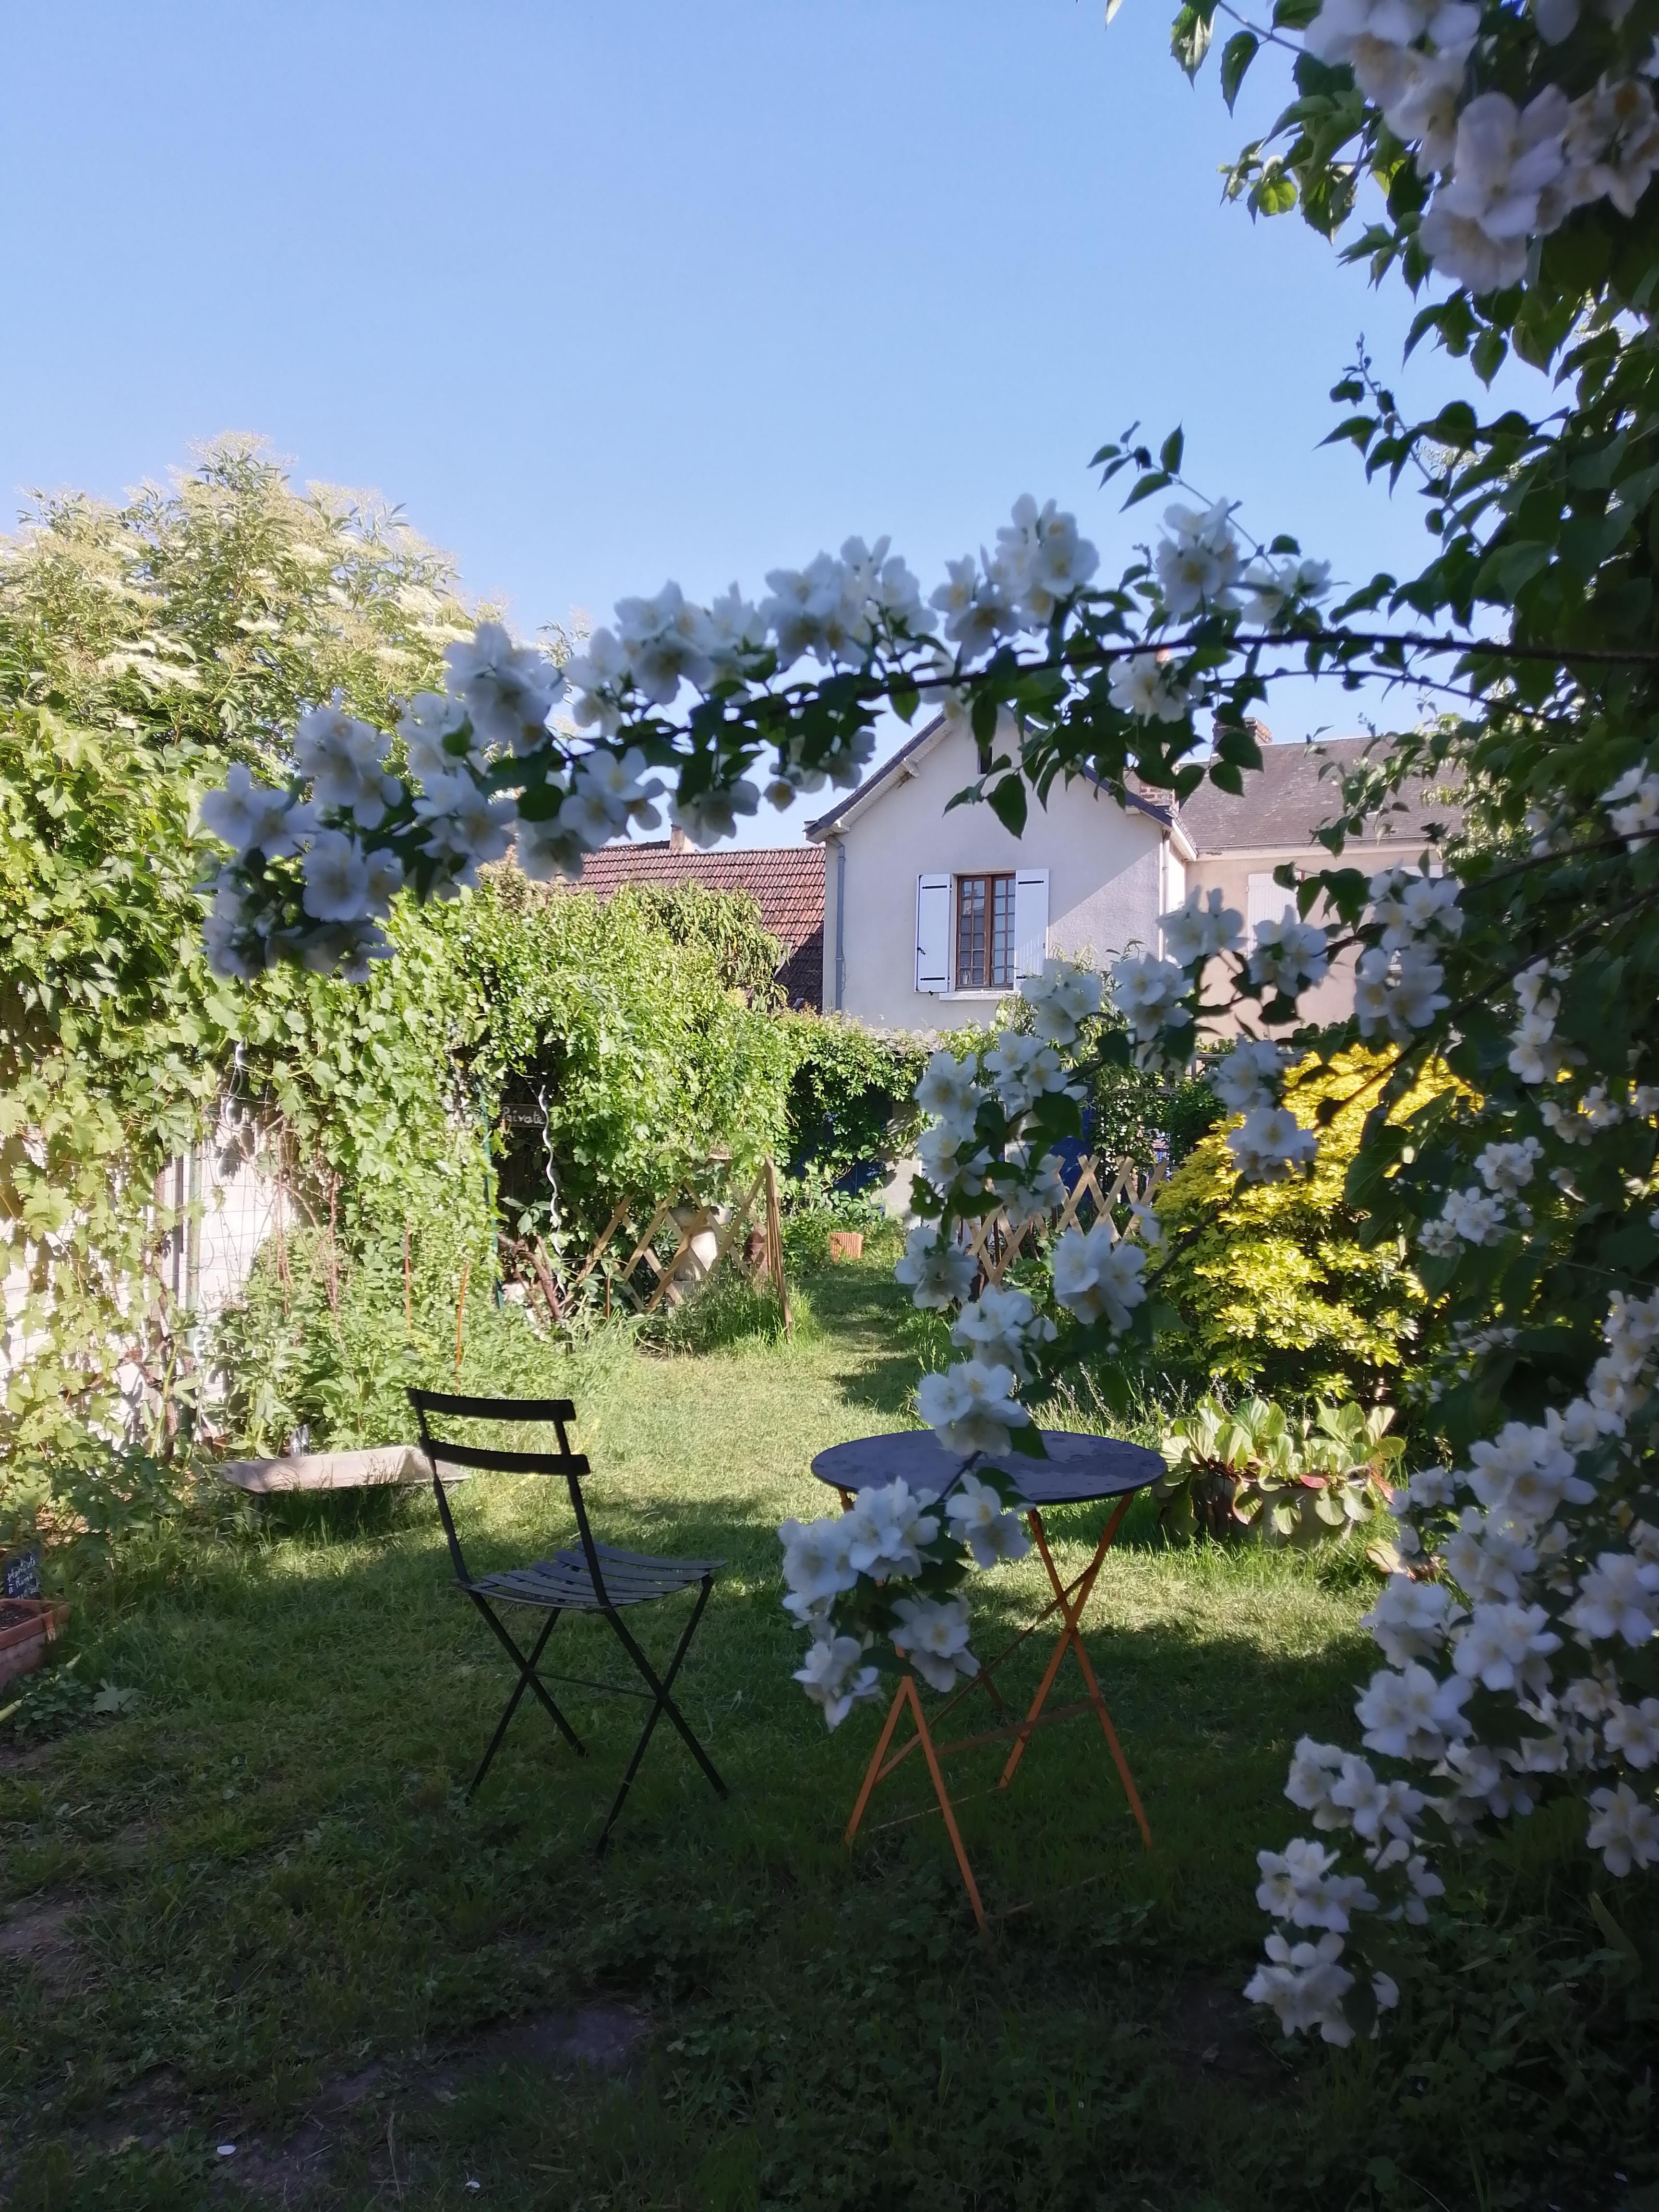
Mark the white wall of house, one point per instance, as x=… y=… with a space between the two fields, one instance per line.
x=1109 y=872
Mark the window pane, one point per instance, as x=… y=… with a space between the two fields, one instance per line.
x=1002 y=931
x=985 y=933
x=972 y=893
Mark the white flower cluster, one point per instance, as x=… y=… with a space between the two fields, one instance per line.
x=1534 y=1056
x=1632 y=805
x=1507 y=174
x=1397 y=982
x=1477 y=1216
x=1524 y=1611
x=1202 y=568
x=889 y=1534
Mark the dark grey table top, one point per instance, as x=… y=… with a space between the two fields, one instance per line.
x=1076 y=1470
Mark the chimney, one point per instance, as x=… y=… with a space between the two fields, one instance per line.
x=678 y=840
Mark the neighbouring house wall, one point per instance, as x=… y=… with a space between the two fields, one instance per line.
x=1230 y=872
x=1110 y=877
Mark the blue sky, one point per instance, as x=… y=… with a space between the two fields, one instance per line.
x=606 y=294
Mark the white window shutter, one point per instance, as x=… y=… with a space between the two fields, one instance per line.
x=1031 y=922
x=932 y=933
x=1266 y=901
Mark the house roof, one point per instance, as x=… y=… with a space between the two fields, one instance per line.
x=1288 y=799
x=925 y=739
x=786 y=881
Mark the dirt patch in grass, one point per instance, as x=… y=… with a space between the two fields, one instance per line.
x=36 y=1933
x=1210 y=2025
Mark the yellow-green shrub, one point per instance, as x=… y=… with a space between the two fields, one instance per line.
x=1276 y=1285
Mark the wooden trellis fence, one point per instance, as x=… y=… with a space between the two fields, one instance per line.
x=648 y=1281
x=1104 y=1184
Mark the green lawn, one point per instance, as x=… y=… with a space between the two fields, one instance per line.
x=255 y=1910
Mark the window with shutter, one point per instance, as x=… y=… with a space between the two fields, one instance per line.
x=1266 y=902
x=985 y=933
x=1031 y=922
x=932 y=933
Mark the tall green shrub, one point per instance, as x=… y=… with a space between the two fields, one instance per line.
x=1280 y=1285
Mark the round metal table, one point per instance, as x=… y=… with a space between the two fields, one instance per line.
x=1078 y=1470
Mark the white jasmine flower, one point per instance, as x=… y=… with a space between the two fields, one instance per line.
x=979 y=1519
x=1289 y=954
x=1204 y=926
x=971 y=1406
x=816 y=1564
x=933 y=1636
x=1064 y=996
x=1613 y=148
x=1411 y=1621
x=1475 y=1216
x=887 y=1529
x=1525 y=1473
x=426 y=724
x=1200 y=559
x=1023 y=1069
x=940 y=1273
x=1625 y=1830
x=953 y=1160
x=948 y=1089
x=1508 y=1169
x=707 y=817
x=1504 y=1647
x=1411 y=1713
x=599 y=679
x=1030 y=1191
x=1633 y=1732
x=1000 y=1328
x=667 y=640
x=1619 y=1596
x=1249 y=1075
x=336 y=878
x=1270 y=1145
x=1273 y=587
x=825 y=1677
x=1498 y=196
x=1143 y=686
x=1148 y=991
x=1305 y=1985
x=1097 y=1278
x=1314 y=1770
x=465 y=821
x=1633 y=806
x=1488 y=1558
x=251 y=818
x=508 y=691
x=1377 y=1810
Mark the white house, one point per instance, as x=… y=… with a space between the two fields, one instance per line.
x=931 y=917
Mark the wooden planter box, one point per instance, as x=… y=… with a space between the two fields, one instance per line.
x=28 y=1624
x=845 y=1243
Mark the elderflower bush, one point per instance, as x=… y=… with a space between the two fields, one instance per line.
x=1514 y=150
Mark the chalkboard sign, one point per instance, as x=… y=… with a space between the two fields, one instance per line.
x=22 y=1575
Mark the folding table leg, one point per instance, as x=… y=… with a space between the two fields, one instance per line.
x=1071 y=1612
x=528 y=1678
x=906 y=1696
x=662 y=1704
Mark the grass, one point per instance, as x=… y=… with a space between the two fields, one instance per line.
x=257 y=1910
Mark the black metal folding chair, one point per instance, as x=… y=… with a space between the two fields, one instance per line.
x=594 y=1578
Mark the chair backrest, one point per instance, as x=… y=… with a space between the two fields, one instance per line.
x=441 y=1451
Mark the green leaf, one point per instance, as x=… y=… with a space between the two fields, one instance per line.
x=1008 y=799
x=1169 y=455
x=1239 y=51
x=1189 y=40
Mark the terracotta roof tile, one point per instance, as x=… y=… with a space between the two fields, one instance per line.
x=786 y=881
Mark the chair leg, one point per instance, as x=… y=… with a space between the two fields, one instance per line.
x=662 y=1702
x=528 y=1679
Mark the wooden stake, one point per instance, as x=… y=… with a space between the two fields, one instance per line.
x=460 y=1312
x=774 y=1239
x=409 y=1287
